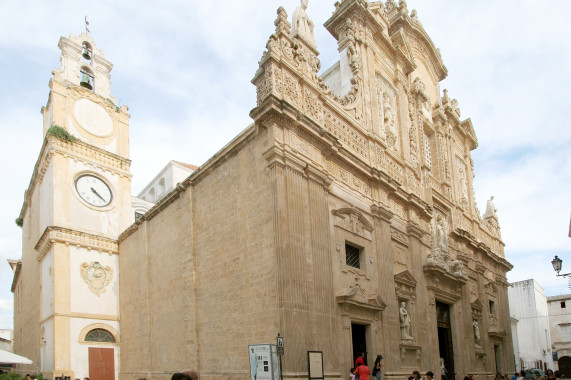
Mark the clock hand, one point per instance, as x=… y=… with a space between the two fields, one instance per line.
x=96 y=193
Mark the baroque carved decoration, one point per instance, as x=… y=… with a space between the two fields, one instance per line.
x=96 y=276
x=405 y=286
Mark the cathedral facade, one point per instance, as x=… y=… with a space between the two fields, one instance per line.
x=343 y=219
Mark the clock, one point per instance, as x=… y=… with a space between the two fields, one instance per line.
x=93 y=190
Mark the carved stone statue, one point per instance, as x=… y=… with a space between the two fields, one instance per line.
x=404 y=322
x=490 y=209
x=302 y=26
x=440 y=233
x=476 y=332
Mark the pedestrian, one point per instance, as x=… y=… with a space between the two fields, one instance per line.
x=363 y=372
x=557 y=375
x=187 y=374
x=550 y=375
x=416 y=375
x=521 y=375
x=351 y=374
x=359 y=361
x=377 y=367
x=429 y=375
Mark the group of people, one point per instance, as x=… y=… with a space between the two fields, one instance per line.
x=521 y=375
x=362 y=372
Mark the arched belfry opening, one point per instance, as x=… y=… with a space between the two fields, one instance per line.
x=87 y=51
x=86 y=78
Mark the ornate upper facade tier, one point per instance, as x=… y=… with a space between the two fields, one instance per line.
x=380 y=107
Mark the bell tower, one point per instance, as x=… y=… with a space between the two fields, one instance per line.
x=77 y=204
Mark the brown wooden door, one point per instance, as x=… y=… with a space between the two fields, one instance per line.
x=101 y=363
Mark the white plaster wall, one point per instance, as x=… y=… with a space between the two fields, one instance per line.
x=515 y=342
x=528 y=305
x=47 y=351
x=47 y=285
x=107 y=220
x=84 y=300
x=80 y=357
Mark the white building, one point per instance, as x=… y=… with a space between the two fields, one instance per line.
x=560 y=328
x=528 y=305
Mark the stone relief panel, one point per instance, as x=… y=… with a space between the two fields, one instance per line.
x=349 y=179
x=96 y=277
x=349 y=136
x=386 y=101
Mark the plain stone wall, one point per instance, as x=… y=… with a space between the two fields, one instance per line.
x=200 y=284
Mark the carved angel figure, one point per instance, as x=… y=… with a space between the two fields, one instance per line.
x=490 y=209
x=302 y=26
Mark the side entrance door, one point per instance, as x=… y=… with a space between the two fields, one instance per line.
x=101 y=363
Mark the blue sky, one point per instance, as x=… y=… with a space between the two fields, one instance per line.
x=184 y=68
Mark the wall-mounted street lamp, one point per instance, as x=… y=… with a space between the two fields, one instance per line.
x=557 y=263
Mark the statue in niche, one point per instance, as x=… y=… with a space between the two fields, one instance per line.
x=463 y=184
x=404 y=322
x=440 y=233
x=302 y=26
x=476 y=333
x=389 y=117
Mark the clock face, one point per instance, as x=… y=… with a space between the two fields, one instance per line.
x=93 y=190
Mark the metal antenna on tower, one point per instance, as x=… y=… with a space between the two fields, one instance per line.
x=87 y=31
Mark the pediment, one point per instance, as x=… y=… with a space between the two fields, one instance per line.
x=477 y=305
x=399 y=40
x=353 y=220
x=468 y=129
x=405 y=278
x=357 y=296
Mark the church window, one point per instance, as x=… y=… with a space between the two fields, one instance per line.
x=352 y=256
x=563 y=306
x=100 y=335
x=492 y=307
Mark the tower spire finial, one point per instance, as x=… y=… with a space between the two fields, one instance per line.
x=87 y=31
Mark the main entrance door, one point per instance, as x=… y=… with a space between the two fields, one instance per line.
x=101 y=363
x=445 y=339
x=359 y=341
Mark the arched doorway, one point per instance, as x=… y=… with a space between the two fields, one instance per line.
x=565 y=366
x=101 y=358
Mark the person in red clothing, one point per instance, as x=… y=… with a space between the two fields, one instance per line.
x=363 y=372
x=360 y=361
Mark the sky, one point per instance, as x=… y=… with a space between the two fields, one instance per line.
x=183 y=67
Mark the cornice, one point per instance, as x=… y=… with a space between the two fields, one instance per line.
x=54 y=235
x=79 y=151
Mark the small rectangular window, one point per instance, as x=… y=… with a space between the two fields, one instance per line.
x=492 y=307
x=563 y=306
x=352 y=256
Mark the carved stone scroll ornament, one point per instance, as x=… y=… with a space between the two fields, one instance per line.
x=96 y=277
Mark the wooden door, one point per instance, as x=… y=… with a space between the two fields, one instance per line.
x=101 y=363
